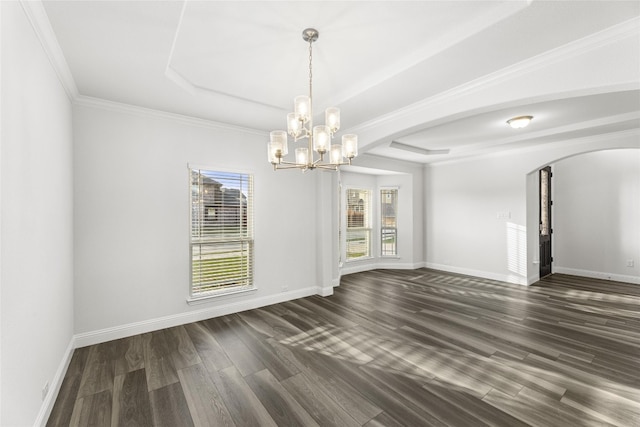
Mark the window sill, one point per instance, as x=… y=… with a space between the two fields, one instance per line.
x=201 y=299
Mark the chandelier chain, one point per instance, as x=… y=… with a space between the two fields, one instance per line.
x=310 y=68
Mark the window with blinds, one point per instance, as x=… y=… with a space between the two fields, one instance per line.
x=221 y=232
x=358 y=239
x=388 y=222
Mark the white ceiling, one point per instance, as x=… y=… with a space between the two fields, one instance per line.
x=242 y=62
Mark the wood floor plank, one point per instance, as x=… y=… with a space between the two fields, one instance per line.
x=203 y=399
x=383 y=420
x=321 y=407
x=280 y=368
x=389 y=347
x=131 y=404
x=415 y=392
x=99 y=371
x=183 y=352
x=159 y=366
x=132 y=358
x=345 y=395
x=283 y=408
x=169 y=407
x=92 y=410
x=245 y=408
x=211 y=352
x=478 y=408
x=243 y=358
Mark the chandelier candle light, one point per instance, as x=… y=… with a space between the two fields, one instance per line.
x=300 y=126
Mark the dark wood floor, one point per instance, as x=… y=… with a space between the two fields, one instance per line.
x=410 y=348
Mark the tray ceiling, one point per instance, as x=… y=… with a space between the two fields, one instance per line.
x=241 y=63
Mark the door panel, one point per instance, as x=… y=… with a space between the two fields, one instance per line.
x=545 y=229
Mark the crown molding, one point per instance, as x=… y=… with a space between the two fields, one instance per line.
x=603 y=137
x=103 y=104
x=37 y=16
x=623 y=30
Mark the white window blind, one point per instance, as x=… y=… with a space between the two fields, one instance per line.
x=358 y=224
x=221 y=232
x=388 y=222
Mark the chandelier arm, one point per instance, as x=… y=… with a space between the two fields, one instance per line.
x=317 y=161
x=327 y=166
x=283 y=162
x=288 y=165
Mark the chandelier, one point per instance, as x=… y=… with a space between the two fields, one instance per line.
x=300 y=126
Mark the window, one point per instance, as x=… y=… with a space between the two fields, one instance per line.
x=388 y=222
x=221 y=232
x=358 y=224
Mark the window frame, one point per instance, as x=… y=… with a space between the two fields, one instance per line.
x=368 y=227
x=245 y=236
x=382 y=217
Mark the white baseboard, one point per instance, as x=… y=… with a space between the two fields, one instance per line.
x=123 y=331
x=399 y=265
x=382 y=264
x=326 y=291
x=509 y=278
x=598 y=275
x=54 y=386
x=357 y=268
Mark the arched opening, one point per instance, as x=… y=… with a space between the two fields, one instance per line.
x=596 y=215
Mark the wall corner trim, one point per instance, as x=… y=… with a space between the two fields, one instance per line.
x=56 y=383
x=37 y=16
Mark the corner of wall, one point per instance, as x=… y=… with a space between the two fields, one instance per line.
x=56 y=383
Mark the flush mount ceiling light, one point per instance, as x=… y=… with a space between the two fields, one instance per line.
x=519 y=122
x=300 y=126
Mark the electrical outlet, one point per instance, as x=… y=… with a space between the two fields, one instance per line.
x=45 y=390
x=629 y=263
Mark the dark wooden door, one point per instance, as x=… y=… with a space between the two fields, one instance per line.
x=545 y=229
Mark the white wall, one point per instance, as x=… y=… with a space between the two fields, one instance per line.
x=596 y=215
x=36 y=258
x=464 y=198
x=132 y=220
x=464 y=231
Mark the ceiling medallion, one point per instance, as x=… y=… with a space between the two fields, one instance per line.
x=300 y=126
